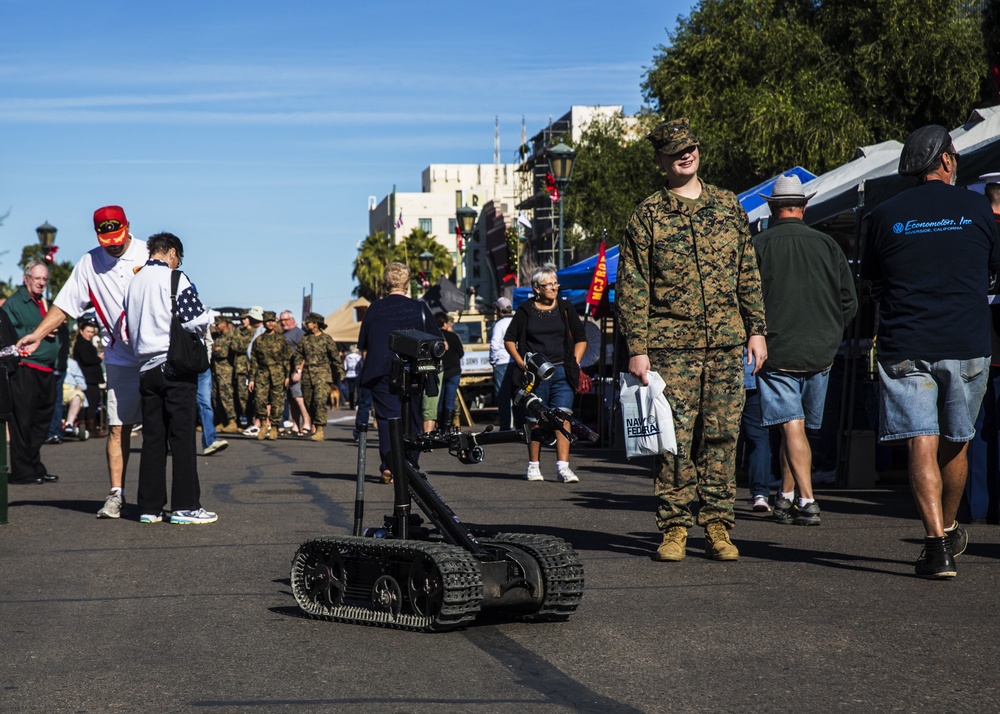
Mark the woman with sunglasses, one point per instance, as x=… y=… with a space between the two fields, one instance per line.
x=549 y=325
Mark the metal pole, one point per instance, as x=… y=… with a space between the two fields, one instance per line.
x=3 y=473
x=359 y=491
x=561 y=200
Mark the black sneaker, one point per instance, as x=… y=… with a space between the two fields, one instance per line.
x=782 y=510
x=935 y=562
x=807 y=515
x=956 y=538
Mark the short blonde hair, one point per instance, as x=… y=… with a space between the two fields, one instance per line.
x=539 y=275
x=396 y=277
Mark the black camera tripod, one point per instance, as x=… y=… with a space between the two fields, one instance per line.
x=407 y=575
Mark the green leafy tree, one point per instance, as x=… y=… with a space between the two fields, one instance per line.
x=375 y=253
x=769 y=84
x=613 y=172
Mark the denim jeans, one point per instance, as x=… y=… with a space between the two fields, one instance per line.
x=205 y=412
x=758 y=446
x=503 y=391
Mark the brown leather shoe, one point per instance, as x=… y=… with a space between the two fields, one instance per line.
x=718 y=546
x=674 y=545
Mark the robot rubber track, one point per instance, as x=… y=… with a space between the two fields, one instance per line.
x=424 y=586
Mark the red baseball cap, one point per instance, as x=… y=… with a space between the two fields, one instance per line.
x=111 y=226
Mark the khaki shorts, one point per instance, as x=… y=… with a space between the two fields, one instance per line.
x=124 y=403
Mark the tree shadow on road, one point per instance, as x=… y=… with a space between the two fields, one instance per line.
x=79 y=506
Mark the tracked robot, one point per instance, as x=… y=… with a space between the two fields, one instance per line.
x=436 y=576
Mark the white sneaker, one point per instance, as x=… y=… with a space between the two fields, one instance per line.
x=534 y=473
x=215 y=447
x=251 y=430
x=151 y=518
x=198 y=516
x=566 y=475
x=112 y=507
x=760 y=504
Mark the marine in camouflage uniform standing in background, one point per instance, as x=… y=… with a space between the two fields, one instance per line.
x=222 y=376
x=318 y=363
x=688 y=299
x=269 y=360
x=239 y=345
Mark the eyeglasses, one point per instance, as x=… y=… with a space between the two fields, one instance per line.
x=546 y=286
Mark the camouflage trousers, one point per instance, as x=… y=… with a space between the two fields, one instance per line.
x=705 y=391
x=241 y=395
x=316 y=396
x=269 y=388
x=222 y=385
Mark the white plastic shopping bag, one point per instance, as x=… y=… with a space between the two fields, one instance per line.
x=648 y=420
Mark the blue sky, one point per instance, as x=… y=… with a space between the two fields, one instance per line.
x=256 y=131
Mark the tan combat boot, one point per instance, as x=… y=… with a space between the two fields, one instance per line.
x=262 y=434
x=674 y=545
x=230 y=427
x=318 y=436
x=717 y=543
x=272 y=433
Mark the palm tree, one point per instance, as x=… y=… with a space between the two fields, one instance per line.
x=375 y=252
x=416 y=243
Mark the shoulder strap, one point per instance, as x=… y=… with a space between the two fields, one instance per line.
x=175 y=281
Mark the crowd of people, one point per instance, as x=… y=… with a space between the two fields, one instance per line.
x=125 y=297
x=746 y=331
x=742 y=330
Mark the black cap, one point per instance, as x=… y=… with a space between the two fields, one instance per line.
x=922 y=147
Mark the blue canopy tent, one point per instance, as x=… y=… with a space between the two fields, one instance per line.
x=750 y=199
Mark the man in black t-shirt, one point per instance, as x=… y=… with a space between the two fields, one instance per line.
x=451 y=364
x=928 y=252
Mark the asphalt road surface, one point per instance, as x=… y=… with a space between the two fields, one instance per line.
x=100 y=615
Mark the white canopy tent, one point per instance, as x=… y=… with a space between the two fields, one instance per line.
x=977 y=141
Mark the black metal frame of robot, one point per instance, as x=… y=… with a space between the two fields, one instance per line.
x=410 y=576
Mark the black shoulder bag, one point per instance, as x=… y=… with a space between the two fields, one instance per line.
x=187 y=354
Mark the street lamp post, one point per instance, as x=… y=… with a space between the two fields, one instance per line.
x=46 y=237
x=426 y=265
x=561 y=159
x=465 y=219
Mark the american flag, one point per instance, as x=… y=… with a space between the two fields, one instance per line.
x=189 y=305
x=399 y=221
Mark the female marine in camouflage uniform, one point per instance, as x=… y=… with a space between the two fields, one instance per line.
x=318 y=364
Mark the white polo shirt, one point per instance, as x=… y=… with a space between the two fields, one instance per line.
x=103 y=280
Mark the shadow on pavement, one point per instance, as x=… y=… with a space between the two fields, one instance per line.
x=79 y=506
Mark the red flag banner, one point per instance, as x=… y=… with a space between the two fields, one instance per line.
x=599 y=283
x=551 y=188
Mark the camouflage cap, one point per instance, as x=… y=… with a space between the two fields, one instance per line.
x=268 y=315
x=671 y=137
x=219 y=319
x=317 y=318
